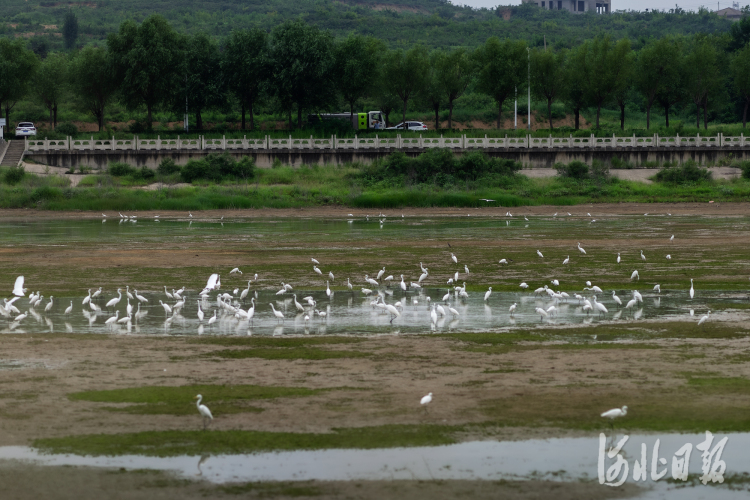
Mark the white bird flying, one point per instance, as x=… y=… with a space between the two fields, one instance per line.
x=18 y=289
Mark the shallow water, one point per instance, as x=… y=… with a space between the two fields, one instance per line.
x=352 y=313
x=565 y=459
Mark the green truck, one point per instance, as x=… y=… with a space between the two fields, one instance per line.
x=372 y=120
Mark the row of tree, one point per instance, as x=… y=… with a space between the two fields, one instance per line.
x=298 y=67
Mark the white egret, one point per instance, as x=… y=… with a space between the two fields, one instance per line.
x=595 y=289
x=446 y=297
x=297 y=304
x=453 y=312
x=567 y=260
x=616 y=299
x=541 y=312
x=125 y=319
x=503 y=261
x=512 y=308
x=672 y=238
x=380 y=274
x=111 y=320
x=488 y=293
x=321 y=314
x=588 y=283
x=433 y=315
x=539 y=254
x=426 y=400
x=466 y=269
x=366 y=291
x=315 y=268
x=371 y=281
x=555 y=282
x=350 y=287
x=388 y=278
x=440 y=310
x=643 y=257
x=251 y=310
x=21 y=317
x=96 y=293
x=393 y=311
x=166 y=307
x=403 y=284
x=49 y=304
x=669 y=257
x=315 y=261
x=129 y=308
x=203 y=409
x=212 y=319
x=657 y=288
x=200 y=311
x=692 y=290
x=703 y=319
x=635 y=275
x=422 y=277
x=18 y=289
x=69 y=309
x=328 y=290
x=140 y=298
x=87 y=298
x=245 y=291
x=127 y=292
x=581 y=249
x=115 y=301
x=599 y=306
x=618 y=258
x=235 y=271
x=615 y=413
x=278 y=314
x=169 y=295
x=454 y=258
x=330 y=275
x=190 y=214
x=524 y=285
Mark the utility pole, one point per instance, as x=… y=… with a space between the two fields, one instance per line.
x=187 y=121
x=528 y=110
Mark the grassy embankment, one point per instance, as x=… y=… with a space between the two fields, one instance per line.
x=349 y=185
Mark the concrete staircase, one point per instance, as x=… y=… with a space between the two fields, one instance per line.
x=13 y=154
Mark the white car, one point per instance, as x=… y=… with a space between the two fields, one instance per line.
x=25 y=129
x=413 y=126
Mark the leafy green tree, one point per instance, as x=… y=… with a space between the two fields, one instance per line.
x=656 y=65
x=502 y=67
x=741 y=78
x=384 y=100
x=17 y=68
x=93 y=81
x=204 y=86
x=50 y=84
x=405 y=73
x=671 y=91
x=606 y=63
x=703 y=77
x=575 y=79
x=432 y=95
x=70 y=29
x=356 y=66
x=547 y=77
x=246 y=64
x=303 y=59
x=455 y=72
x=739 y=34
x=149 y=63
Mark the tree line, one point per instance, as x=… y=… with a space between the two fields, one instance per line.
x=297 y=68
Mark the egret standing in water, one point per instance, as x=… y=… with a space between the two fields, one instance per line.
x=278 y=314
x=692 y=290
x=203 y=410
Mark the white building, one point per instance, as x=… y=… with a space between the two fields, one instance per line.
x=598 y=6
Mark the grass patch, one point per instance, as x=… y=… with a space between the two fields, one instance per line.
x=173 y=443
x=272 y=489
x=275 y=342
x=292 y=353
x=222 y=399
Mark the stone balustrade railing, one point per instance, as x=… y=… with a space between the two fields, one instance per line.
x=358 y=143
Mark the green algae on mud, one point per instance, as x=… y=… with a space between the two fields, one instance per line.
x=222 y=399
x=173 y=443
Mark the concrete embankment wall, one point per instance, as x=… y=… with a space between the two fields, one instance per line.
x=530 y=158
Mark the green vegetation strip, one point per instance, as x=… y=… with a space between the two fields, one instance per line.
x=293 y=353
x=173 y=443
x=222 y=399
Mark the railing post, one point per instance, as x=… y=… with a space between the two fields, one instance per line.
x=742 y=139
x=334 y=141
x=720 y=137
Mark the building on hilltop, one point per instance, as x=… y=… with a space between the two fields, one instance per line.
x=732 y=13
x=577 y=6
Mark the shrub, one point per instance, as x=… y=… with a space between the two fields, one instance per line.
x=216 y=167
x=168 y=167
x=14 y=175
x=686 y=173
x=66 y=129
x=120 y=169
x=573 y=170
x=599 y=171
x=745 y=166
x=144 y=173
